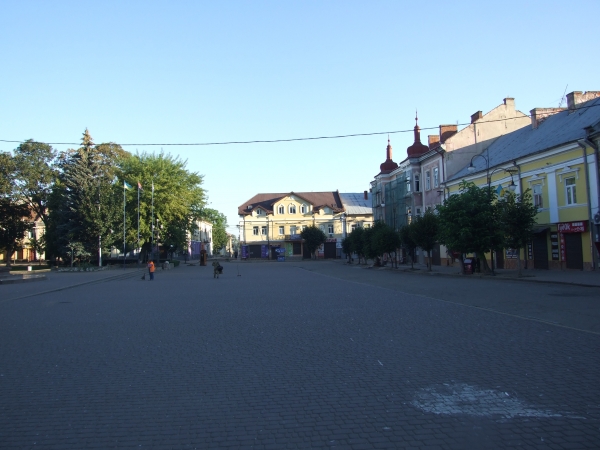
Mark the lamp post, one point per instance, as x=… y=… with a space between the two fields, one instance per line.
x=268 y=241
x=512 y=186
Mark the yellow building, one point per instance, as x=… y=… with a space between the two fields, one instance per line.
x=271 y=224
x=556 y=159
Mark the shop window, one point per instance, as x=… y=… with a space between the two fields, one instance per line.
x=571 y=192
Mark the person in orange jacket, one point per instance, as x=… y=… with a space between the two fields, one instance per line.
x=151 y=269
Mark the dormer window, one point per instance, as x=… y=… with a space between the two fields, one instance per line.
x=292 y=209
x=259 y=212
x=281 y=209
x=304 y=209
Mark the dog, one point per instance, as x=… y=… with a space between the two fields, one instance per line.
x=217 y=269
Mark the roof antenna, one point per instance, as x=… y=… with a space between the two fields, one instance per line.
x=562 y=99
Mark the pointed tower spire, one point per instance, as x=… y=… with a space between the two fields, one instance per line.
x=417 y=148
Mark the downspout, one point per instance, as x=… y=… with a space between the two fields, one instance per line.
x=582 y=144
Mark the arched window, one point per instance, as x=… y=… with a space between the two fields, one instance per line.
x=281 y=209
x=292 y=209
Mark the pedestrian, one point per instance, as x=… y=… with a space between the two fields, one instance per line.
x=151 y=269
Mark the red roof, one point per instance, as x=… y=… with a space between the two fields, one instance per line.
x=318 y=200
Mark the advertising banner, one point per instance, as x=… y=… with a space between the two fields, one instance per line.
x=572 y=227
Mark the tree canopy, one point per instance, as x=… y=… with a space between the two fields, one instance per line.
x=313 y=238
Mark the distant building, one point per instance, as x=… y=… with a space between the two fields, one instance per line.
x=271 y=223
x=200 y=239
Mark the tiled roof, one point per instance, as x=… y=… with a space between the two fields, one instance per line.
x=555 y=130
x=317 y=199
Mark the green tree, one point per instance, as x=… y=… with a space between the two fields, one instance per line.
x=170 y=194
x=313 y=238
x=35 y=175
x=14 y=222
x=38 y=245
x=408 y=242
x=355 y=243
x=7 y=175
x=467 y=222
x=517 y=215
x=425 y=233
x=86 y=203
x=219 y=230
x=385 y=240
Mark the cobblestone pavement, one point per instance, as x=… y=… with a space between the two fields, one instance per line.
x=287 y=356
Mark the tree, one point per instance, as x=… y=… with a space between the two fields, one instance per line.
x=355 y=243
x=408 y=242
x=7 y=175
x=425 y=233
x=517 y=215
x=13 y=225
x=385 y=240
x=38 y=245
x=219 y=230
x=170 y=194
x=35 y=175
x=313 y=238
x=467 y=221
x=86 y=203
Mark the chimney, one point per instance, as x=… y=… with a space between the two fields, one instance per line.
x=577 y=97
x=510 y=102
x=433 y=140
x=538 y=115
x=474 y=117
x=447 y=131
x=366 y=195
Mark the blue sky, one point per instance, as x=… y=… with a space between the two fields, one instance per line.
x=207 y=71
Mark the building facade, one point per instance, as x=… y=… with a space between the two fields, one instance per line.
x=270 y=224
x=556 y=158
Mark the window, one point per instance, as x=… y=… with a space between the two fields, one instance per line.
x=293 y=230
x=418 y=211
x=258 y=212
x=255 y=231
x=537 y=196
x=263 y=231
x=571 y=192
x=417 y=182
x=303 y=227
x=353 y=227
x=322 y=228
x=436 y=177
x=427 y=180
x=367 y=225
x=304 y=209
x=292 y=209
x=330 y=229
x=281 y=209
x=281 y=230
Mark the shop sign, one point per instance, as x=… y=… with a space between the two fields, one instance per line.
x=295 y=237
x=530 y=251
x=511 y=253
x=554 y=244
x=331 y=240
x=563 y=253
x=572 y=227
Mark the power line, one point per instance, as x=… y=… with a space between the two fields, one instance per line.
x=272 y=141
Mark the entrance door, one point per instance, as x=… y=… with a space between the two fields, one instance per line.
x=436 y=259
x=540 y=251
x=297 y=248
x=305 y=253
x=500 y=259
x=573 y=251
x=329 y=250
x=254 y=251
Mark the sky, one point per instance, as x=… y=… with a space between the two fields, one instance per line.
x=189 y=72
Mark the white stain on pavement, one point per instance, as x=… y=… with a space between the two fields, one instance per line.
x=461 y=398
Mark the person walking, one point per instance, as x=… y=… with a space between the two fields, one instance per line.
x=151 y=269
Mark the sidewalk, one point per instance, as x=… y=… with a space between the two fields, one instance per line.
x=568 y=277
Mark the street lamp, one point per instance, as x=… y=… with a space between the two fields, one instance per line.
x=268 y=242
x=512 y=186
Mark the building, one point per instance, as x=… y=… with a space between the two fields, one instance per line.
x=556 y=157
x=200 y=239
x=405 y=190
x=26 y=253
x=270 y=224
